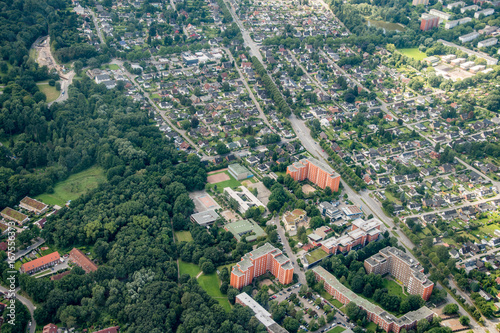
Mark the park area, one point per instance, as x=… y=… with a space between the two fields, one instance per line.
x=49 y=91
x=183 y=236
x=414 y=53
x=210 y=283
x=73 y=187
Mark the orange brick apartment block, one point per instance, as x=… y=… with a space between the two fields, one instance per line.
x=259 y=261
x=403 y=268
x=317 y=172
x=374 y=313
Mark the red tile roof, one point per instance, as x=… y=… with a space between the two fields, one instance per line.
x=114 y=329
x=82 y=260
x=3 y=246
x=34 y=264
x=50 y=328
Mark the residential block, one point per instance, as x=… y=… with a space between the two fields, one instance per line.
x=317 y=172
x=264 y=259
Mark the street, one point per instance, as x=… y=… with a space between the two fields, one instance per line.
x=22 y=253
x=29 y=305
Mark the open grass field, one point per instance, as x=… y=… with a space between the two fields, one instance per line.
x=50 y=92
x=188 y=268
x=74 y=186
x=372 y=326
x=337 y=329
x=183 y=236
x=315 y=255
x=113 y=67
x=211 y=285
x=394 y=288
x=414 y=53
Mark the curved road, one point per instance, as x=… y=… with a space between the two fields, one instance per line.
x=29 y=305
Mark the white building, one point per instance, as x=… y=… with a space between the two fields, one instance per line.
x=473 y=7
x=455 y=4
x=485 y=12
x=454 y=23
x=468 y=37
x=442 y=15
x=244 y=198
x=477 y=68
x=487 y=42
x=467 y=65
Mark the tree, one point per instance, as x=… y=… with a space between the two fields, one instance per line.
x=194 y=122
x=78 y=65
x=207 y=267
x=437 y=147
x=450 y=309
x=464 y=320
x=221 y=149
x=291 y=324
x=310 y=278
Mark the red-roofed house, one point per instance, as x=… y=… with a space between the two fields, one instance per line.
x=80 y=259
x=41 y=263
x=50 y=328
x=114 y=329
x=388 y=117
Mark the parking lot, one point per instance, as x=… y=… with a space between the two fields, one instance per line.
x=308 y=303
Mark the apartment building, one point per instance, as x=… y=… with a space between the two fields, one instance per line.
x=317 y=172
x=442 y=15
x=403 y=267
x=41 y=263
x=420 y=2
x=468 y=37
x=264 y=259
x=362 y=232
x=13 y=215
x=428 y=22
x=33 y=205
x=261 y=314
x=376 y=314
x=485 y=12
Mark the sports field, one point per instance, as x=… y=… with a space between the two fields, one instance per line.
x=414 y=53
x=74 y=186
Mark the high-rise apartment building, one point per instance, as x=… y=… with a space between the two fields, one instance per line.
x=264 y=259
x=317 y=172
x=428 y=22
x=403 y=267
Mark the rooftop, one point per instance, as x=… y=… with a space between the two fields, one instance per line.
x=242 y=227
x=205 y=217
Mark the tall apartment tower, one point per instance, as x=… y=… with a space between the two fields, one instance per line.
x=404 y=268
x=317 y=172
x=259 y=261
x=428 y=22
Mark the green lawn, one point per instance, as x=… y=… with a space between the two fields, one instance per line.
x=113 y=67
x=50 y=92
x=337 y=329
x=232 y=183
x=74 y=186
x=183 y=236
x=372 y=326
x=188 y=268
x=413 y=53
x=211 y=285
x=316 y=255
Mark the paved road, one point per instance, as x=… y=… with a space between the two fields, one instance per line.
x=65 y=83
x=99 y=32
x=162 y=113
x=252 y=96
x=254 y=48
x=56 y=268
x=33 y=247
x=29 y=305
x=289 y=252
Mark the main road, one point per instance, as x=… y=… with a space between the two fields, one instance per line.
x=29 y=305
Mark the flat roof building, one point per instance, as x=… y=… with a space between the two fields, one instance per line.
x=362 y=232
x=468 y=37
x=428 y=22
x=485 y=12
x=442 y=15
x=315 y=171
x=244 y=198
x=33 y=205
x=376 y=314
x=264 y=259
x=403 y=267
x=247 y=228
x=239 y=172
x=293 y=218
x=487 y=42
x=13 y=215
x=261 y=314
x=205 y=218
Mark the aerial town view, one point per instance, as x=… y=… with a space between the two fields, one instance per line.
x=219 y=166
